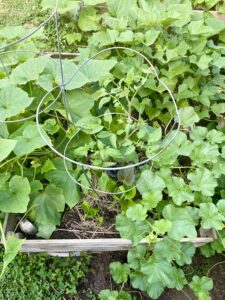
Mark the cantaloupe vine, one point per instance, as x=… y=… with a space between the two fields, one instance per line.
x=182 y=191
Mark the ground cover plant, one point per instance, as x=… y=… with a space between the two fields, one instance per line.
x=40 y=276
x=117 y=113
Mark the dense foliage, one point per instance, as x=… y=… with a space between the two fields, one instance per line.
x=40 y=276
x=183 y=191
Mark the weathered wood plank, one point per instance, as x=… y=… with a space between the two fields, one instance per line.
x=92 y=245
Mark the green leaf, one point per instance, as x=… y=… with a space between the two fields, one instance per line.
x=179 y=191
x=161 y=226
x=12 y=248
x=88 y=19
x=198 y=28
x=119 y=272
x=188 y=116
x=149 y=182
x=151 y=36
x=218 y=108
x=203 y=153
x=49 y=204
x=90 y=125
x=14 y=197
x=136 y=212
x=6 y=146
x=171 y=250
x=80 y=103
x=202 y=180
x=93 y=71
x=93 y=2
x=28 y=141
x=219 y=62
x=113 y=295
x=29 y=70
x=211 y=218
x=127 y=176
x=215 y=137
x=63 y=7
x=221 y=206
x=183 y=224
x=128 y=229
x=13 y=101
x=201 y=284
x=151 y=199
x=60 y=178
x=204 y=61
x=45 y=231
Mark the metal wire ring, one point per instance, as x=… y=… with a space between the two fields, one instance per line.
x=178 y=122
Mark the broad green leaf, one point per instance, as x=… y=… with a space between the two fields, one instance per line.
x=127 y=176
x=211 y=217
x=221 y=206
x=88 y=19
x=60 y=178
x=49 y=204
x=183 y=224
x=204 y=61
x=198 y=28
x=119 y=272
x=171 y=250
x=218 y=109
x=80 y=103
x=45 y=231
x=215 y=137
x=161 y=226
x=219 y=62
x=93 y=71
x=93 y=2
x=125 y=37
x=13 y=101
x=202 y=180
x=14 y=197
x=179 y=191
x=188 y=116
x=6 y=146
x=90 y=125
x=128 y=229
x=203 y=153
x=12 y=248
x=157 y=270
x=29 y=70
x=136 y=212
x=151 y=36
x=135 y=256
x=149 y=182
x=201 y=284
x=198 y=133
x=28 y=141
x=151 y=199
x=114 y=295
x=63 y=5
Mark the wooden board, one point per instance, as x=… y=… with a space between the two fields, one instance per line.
x=65 y=246
x=92 y=245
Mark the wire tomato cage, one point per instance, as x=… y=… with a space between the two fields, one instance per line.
x=84 y=166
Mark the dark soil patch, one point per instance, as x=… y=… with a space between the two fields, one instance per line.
x=201 y=267
x=75 y=226
x=99 y=277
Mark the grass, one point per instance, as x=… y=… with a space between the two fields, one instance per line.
x=19 y=12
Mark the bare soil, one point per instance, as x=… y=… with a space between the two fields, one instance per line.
x=75 y=226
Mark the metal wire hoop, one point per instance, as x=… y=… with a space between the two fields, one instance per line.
x=90 y=188
x=33 y=31
x=163 y=145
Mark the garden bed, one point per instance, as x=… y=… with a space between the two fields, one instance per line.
x=65 y=245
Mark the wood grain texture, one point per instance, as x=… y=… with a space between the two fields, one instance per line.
x=92 y=245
